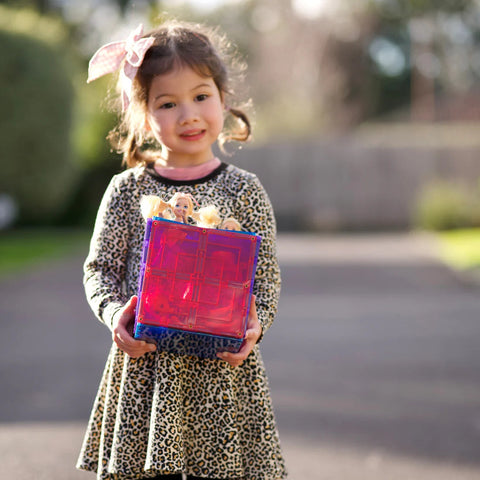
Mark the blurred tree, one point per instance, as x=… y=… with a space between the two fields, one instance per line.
x=42 y=6
x=96 y=162
x=36 y=105
x=404 y=9
x=439 y=43
x=357 y=61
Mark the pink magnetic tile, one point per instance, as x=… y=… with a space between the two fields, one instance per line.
x=198 y=279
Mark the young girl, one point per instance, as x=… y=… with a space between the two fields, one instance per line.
x=159 y=415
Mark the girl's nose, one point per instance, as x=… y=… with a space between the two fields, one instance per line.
x=188 y=114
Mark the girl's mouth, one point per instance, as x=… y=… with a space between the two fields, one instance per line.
x=193 y=135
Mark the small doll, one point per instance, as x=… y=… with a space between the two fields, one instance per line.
x=207 y=217
x=153 y=206
x=231 y=224
x=182 y=206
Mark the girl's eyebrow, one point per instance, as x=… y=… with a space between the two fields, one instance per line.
x=201 y=85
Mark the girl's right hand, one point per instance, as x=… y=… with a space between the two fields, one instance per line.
x=122 y=329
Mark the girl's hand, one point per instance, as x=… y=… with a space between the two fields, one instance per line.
x=122 y=331
x=253 y=333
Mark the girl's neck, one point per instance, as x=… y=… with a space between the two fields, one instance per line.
x=169 y=159
x=186 y=172
x=186 y=165
x=166 y=163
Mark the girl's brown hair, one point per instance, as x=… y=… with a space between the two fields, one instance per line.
x=179 y=44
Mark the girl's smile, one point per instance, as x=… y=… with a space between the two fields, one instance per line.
x=193 y=135
x=185 y=114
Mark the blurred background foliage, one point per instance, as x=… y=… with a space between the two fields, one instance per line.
x=316 y=68
x=37 y=108
x=444 y=205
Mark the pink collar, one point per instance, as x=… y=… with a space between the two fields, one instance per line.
x=189 y=173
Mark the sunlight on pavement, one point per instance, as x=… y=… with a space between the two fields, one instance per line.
x=48 y=451
x=372 y=248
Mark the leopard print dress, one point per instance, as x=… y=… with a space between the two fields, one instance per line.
x=162 y=413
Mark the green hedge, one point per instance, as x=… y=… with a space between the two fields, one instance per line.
x=447 y=205
x=36 y=105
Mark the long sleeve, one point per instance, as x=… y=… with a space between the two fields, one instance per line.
x=255 y=214
x=105 y=266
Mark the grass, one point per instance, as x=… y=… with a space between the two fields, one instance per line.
x=25 y=248
x=461 y=248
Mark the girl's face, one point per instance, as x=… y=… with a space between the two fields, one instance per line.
x=185 y=114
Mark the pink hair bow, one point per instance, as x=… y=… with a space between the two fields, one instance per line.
x=108 y=58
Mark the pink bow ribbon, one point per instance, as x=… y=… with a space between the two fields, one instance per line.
x=108 y=58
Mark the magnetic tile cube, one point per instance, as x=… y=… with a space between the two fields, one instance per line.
x=195 y=287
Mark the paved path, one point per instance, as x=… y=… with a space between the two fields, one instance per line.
x=373 y=364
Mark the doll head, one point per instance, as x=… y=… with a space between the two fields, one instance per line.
x=182 y=206
x=176 y=45
x=231 y=224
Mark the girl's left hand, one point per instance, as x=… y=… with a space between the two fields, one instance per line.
x=253 y=333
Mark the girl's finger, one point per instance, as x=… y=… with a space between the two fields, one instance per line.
x=130 y=306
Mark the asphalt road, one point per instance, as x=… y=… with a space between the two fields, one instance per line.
x=373 y=364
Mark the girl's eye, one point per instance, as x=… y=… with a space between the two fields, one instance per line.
x=167 y=106
x=202 y=97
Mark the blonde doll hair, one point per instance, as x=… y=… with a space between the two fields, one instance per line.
x=153 y=206
x=180 y=44
x=207 y=217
